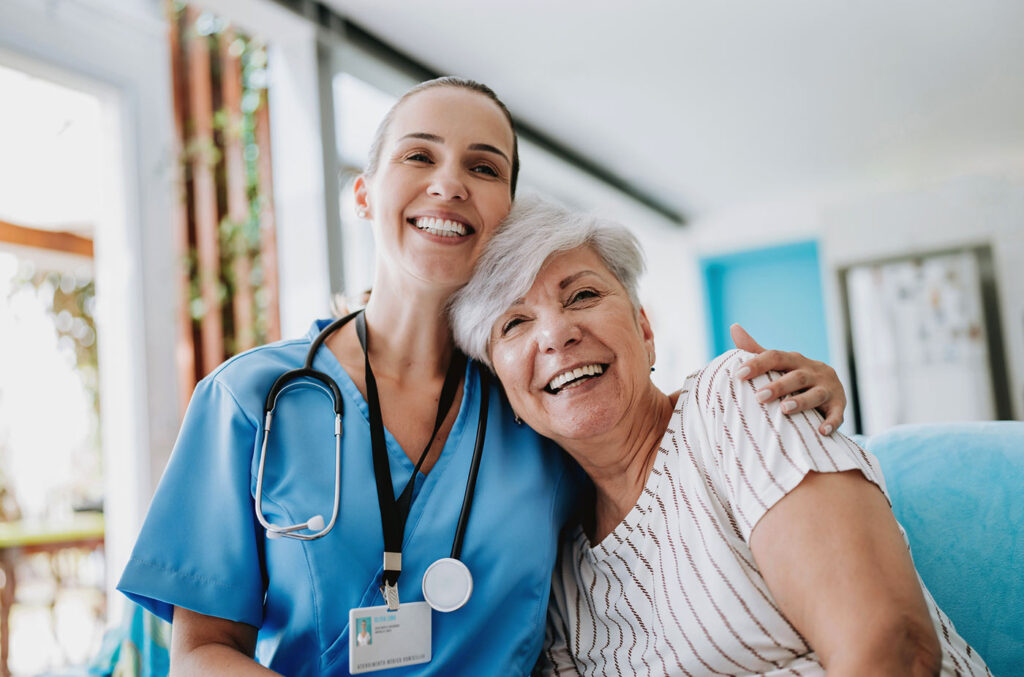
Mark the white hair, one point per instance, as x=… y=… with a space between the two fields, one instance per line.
x=535 y=230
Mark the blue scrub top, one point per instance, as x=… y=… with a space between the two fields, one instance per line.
x=202 y=548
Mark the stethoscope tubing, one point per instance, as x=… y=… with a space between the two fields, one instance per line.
x=284 y=382
x=326 y=384
x=474 y=467
x=276 y=531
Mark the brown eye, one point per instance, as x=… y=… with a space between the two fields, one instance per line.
x=487 y=170
x=583 y=295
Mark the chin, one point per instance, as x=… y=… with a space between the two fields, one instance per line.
x=581 y=423
x=444 y=275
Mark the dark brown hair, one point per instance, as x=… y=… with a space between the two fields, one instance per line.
x=447 y=81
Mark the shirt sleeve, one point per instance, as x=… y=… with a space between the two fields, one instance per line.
x=198 y=547
x=762 y=453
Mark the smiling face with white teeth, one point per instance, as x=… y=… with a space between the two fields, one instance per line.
x=441 y=187
x=574 y=354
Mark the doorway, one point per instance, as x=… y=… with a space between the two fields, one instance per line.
x=52 y=600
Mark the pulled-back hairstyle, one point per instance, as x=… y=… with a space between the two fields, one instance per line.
x=534 y=231
x=447 y=81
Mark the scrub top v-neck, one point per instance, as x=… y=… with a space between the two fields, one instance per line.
x=401 y=462
x=200 y=547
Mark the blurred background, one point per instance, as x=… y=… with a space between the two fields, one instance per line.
x=844 y=179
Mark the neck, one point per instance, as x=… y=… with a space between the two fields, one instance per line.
x=620 y=461
x=410 y=332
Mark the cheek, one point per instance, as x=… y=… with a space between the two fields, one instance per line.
x=510 y=368
x=498 y=207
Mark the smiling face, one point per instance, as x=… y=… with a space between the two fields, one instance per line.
x=574 y=354
x=441 y=187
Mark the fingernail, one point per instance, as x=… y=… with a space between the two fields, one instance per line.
x=743 y=372
x=788 y=406
x=764 y=395
x=827 y=430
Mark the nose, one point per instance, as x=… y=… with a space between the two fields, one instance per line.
x=446 y=183
x=558 y=331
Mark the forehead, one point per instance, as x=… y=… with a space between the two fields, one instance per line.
x=459 y=116
x=561 y=266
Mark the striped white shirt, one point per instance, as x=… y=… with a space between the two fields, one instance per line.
x=674 y=589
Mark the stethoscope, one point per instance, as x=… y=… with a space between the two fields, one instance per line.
x=447 y=583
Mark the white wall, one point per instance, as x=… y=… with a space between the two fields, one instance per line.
x=982 y=203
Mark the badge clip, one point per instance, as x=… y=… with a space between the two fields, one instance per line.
x=392 y=564
x=390 y=593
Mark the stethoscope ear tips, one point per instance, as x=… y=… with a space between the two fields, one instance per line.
x=315 y=523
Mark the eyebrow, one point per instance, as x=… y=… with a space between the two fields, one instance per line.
x=423 y=135
x=561 y=285
x=572 y=278
x=486 y=147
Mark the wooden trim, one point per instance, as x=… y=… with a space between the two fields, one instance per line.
x=204 y=187
x=242 y=301
x=268 y=227
x=52 y=240
x=185 y=350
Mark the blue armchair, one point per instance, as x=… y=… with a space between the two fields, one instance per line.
x=958 y=490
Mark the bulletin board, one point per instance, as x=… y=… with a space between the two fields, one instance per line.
x=924 y=339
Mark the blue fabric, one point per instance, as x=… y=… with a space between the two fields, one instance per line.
x=201 y=547
x=958 y=490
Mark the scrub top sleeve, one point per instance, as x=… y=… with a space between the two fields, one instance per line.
x=199 y=547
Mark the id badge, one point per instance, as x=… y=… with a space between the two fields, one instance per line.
x=379 y=639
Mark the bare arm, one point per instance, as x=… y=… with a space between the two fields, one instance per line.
x=206 y=645
x=835 y=561
x=809 y=384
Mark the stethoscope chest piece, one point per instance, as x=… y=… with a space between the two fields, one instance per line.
x=447 y=584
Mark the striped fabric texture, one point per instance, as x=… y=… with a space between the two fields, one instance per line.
x=674 y=589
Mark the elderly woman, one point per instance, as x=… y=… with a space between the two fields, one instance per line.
x=723 y=536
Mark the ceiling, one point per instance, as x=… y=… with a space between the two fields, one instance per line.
x=713 y=104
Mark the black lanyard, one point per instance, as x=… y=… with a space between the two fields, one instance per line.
x=393 y=514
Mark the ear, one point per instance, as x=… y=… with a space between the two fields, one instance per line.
x=644 y=324
x=361 y=190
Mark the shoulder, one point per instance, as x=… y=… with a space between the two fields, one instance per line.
x=715 y=384
x=286 y=354
x=248 y=376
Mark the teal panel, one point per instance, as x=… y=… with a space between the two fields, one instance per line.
x=775 y=293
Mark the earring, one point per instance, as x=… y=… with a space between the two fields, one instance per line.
x=516 y=418
x=361 y=212
x=652 y=369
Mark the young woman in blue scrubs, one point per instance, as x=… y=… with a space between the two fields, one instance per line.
x=442 y=176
